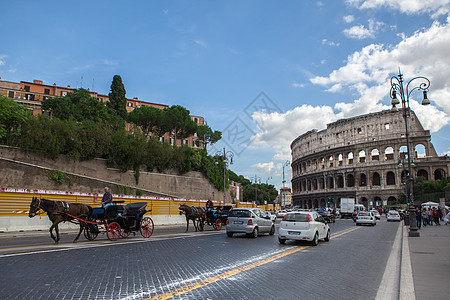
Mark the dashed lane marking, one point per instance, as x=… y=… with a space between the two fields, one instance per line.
x=193 y=286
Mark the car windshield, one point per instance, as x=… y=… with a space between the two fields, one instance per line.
x=240 y=213
x=363 y=213
x=393 y=213
x=296 y=218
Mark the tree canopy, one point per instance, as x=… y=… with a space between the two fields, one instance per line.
x=117 y=100
x=12 y=117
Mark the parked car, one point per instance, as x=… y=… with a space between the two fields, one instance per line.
x=251 y=221
x=273 y=217
x=393 y=216
x=376 y=214
x=365 y=217
x=305 y=226
x=281 y=213
x=327 y=215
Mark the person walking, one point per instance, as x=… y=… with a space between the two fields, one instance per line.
x=436 y=216
x=430 y=216
x=424 y=217
x=419 y=217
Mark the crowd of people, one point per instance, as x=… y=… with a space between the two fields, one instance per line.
x=431 y=216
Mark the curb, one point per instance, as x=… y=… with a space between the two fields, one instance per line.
x=407 y=291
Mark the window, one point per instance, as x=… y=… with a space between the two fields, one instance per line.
x=359 y=131
x=30 y=97
x=47 y=91
x=195 y=120
x=63 y=93
x=172 y=141
x=185 y=142
x=11 y=94
x=161 y=139
x=386 y=126
x=129 y=104
x=27 y=88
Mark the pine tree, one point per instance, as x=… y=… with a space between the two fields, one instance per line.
x=117 y=100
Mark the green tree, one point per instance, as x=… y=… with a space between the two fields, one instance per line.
x=207 y=136
x=148 y=118
x=78 y=105
x=117 y=100
x=12 y=117
x=176 y=119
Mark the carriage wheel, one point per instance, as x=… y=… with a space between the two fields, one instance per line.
x=218 y=224
x=147 y=227
x=124 y=233
x=113 y=231
x=89 y=234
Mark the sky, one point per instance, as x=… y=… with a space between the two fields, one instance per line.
x=262 y=72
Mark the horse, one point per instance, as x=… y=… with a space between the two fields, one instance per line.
x=60 y=211
x=193 y=213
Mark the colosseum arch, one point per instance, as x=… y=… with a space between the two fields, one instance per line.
x=321 y=183
x=350 y=158
x=350 y=180
x=390 y=178
x=363 y=180
x=389 y=153
x=422 y=173
x=392 y=200
x=314 y=183
x=322 y=203
x=362 y=156
x=340 y=159
x=340 y=181
x=316 y=203
x=376 y=179
x=330 y=182
x=439 y=174
x=375 y=154
x=330 y=161
x=419 y=151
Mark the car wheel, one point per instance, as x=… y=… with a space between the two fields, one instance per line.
x=315 y=240
x=255 y=233
x=327 y=238
x=229 y=234
x=272 y=230
x=282 y=241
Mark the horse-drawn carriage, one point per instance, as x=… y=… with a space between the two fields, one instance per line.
x=217 y=216
x=119 y=220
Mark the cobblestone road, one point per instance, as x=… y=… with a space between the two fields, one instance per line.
x=205 y=265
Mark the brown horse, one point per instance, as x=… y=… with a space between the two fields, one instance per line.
x=59 y=211
x=195 y=214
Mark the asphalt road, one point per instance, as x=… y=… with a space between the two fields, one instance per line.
x=206 y=265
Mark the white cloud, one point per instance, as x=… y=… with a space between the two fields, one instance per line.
x=360 y=32
x=330 y=43
x=435 y=7
x=265 y=168
x=367 y=73
x=109 y=62
x=2 y=61
x=201 y=43
x=298 y=85
x=348 y=19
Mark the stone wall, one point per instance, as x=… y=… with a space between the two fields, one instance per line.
x=23 y=169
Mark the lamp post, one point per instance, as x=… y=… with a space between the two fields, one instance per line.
x=397 y=88
x=226 y=155
x=256 y=179
x=286 y=163
x=267 y=183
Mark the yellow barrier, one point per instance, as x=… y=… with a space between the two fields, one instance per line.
x=16 y=202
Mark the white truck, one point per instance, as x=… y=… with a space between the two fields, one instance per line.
x=347 y=207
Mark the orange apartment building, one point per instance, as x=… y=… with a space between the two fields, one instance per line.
x=31 y=95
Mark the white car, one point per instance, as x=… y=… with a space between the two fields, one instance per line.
x=273 y=217
x=304 y=226
x=281 y=213
x=393 y=216
x=365 y=217
x=376 y=214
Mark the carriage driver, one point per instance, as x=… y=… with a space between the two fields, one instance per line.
x=107 y=198
x=209 y=205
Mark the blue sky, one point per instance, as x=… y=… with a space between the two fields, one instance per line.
x=266 y=70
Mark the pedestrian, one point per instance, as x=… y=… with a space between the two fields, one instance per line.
x=436 y=216
x=424 y=217
x=430 y=216
x=107 y=198
x=419 y=217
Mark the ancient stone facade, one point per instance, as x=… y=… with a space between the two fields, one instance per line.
x=363 y=158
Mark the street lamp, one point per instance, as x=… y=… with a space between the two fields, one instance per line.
x=225 y=155
x=256 y=179
x=398 y=89
x=267 y=183
x=286 y=163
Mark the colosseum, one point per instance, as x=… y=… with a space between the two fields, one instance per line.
x=363 y=158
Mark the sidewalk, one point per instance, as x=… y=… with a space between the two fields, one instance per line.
x=430 y=261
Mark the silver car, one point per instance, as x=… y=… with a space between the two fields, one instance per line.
x=251 y=221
